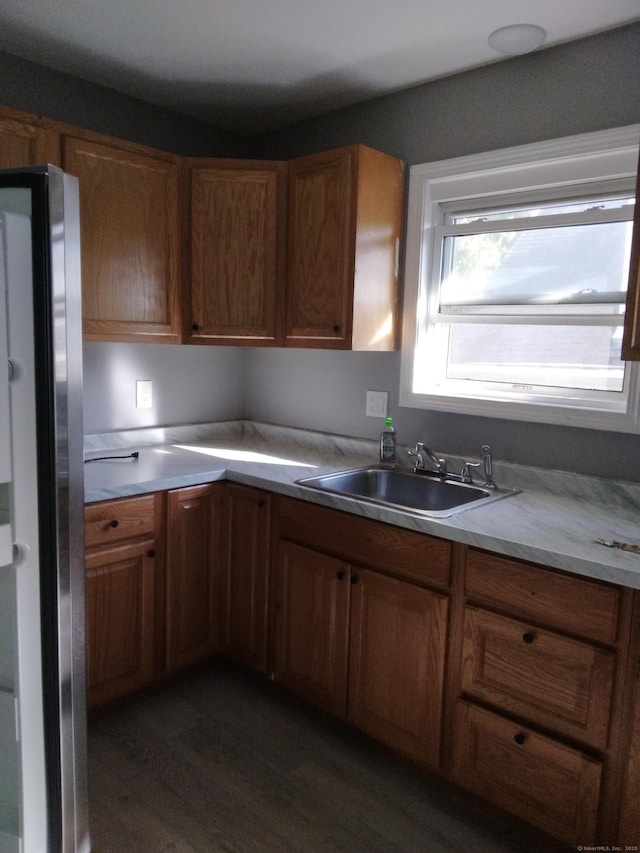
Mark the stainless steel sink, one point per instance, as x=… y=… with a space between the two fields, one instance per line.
x=405 y=490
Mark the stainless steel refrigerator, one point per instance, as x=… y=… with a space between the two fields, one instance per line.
x=43 y=789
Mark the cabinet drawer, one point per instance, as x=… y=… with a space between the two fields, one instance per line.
x=395 y=550
x=534 y=777
x=114 y=521
x=587 y=608
x=561 y=683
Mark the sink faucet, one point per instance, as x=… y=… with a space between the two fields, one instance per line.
x=439 y=466
x=422 y=453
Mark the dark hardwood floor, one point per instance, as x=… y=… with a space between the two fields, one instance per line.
x=222 y=761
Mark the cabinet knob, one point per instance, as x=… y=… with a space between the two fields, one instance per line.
x=195 y=327
x=354 y=578
x=519 y=738
x=114 y=522
x=528 y=637
x=340 y=576
x=151 y=553
x=261 y=504
x=337 y=328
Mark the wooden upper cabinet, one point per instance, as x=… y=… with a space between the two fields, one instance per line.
x=237 y=231
x=19 y=142
x=130 y=235
x=631 y=337
x=344 y=221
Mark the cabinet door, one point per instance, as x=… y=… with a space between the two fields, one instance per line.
x=344 y=227
x=236 y=233
x=631 y=338
x=120 y=587
x=320 y=255
x=311 y=626
x=193 y=546
x=534 y=777
x=18 y=143
x=244 y=576
x=396 y=663
x=130 y=235
x=630 y=822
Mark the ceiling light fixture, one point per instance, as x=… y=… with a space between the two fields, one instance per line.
x=517 y=38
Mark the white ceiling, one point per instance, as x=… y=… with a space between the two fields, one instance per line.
x=254 y=65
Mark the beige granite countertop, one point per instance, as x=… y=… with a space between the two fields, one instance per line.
x=555 y=520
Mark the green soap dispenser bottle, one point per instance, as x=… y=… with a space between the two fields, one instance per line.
x=388 y=443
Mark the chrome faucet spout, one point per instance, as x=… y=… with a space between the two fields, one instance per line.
x=422 y=453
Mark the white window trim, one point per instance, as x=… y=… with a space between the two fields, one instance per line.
x=600 y=156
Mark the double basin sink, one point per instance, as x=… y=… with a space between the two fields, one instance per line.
x=403 y=489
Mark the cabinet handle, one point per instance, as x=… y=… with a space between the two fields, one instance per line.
x=151 y=553
x=114 y=522
x=261 y=504
x=519 y=738
x=354 y=578
x=528 y=637
x=337 y=328
x=340 y=576
x=195 y=327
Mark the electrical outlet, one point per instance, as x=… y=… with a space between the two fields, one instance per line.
x=144 y=392
x=377 y=404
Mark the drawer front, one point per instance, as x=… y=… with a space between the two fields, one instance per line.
x=534 y=777
x=114 y=521
x=586 y=608
x=560 y=683
x=368 y=543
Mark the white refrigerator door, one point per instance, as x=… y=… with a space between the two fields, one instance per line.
x=23 y=798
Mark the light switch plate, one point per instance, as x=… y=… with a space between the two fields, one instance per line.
x=144 y=394
x=377 y=404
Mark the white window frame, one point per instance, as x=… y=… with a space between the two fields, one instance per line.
x=560 y=164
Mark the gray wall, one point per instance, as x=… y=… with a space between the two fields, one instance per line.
x=586 y=85
x=30 y=87
x=579 y=87
x=191 y=384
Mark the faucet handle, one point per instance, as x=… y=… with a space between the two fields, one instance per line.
x=465 y=473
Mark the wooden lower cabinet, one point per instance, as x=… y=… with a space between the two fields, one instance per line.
x=244 y=576
x=539 y=684
x=362 y=645
x=120 y=588
x=630 y=817
x=312 y=625
x=532 y=776
x=397 y=645
x=540 y=711
x=123 y=583
x=194 y=516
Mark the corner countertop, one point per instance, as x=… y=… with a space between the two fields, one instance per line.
x=554 y=521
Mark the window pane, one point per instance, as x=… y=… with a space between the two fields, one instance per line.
x=571 y=264
x=584 y=357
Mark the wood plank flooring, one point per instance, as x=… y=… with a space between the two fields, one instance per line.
x=222 y=761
